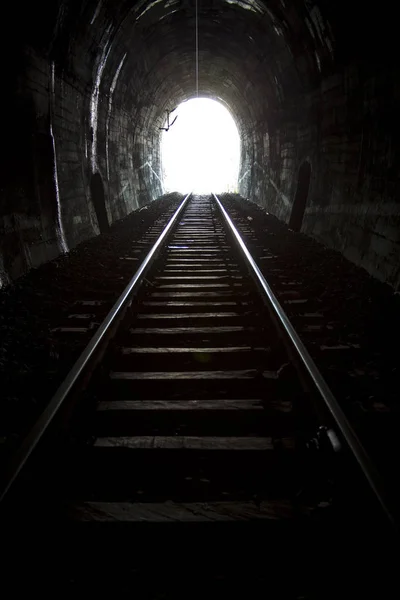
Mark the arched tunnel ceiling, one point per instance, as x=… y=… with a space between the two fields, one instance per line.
x=268 y=49
x=252 y=54
x=88 y=83
x=251 y=51
x=255 y=56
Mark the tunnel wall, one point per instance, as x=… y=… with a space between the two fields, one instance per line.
x=88 y=84
x=63 y=127
x=347 y=131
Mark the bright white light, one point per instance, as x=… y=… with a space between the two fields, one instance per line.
x=201 y=151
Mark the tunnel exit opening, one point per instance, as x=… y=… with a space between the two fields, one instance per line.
x=300 y=199
x=200 y=150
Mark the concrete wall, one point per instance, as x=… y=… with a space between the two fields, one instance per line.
x=88 y=83
x=347 y=129
x=67 y=119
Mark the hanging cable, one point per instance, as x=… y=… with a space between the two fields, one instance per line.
x=197 y=52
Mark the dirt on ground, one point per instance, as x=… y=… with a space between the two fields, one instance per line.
x=356 y=348
x=34 y=357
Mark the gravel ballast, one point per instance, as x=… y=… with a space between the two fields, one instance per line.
x=34 y=356
x=356 y=351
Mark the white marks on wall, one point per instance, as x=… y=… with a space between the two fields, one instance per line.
x=279 y=192
x=251 y=5
x=122 y=192
x=61 y=239
x=94 y=101
x=110 y=101
x=282 y=196
x=318 y=61
x=170 y=3
x=319 y=29
x=244 y=176
x=148 y=7
x=97 y=11
x=148 y=164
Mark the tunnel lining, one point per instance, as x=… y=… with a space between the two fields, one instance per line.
x=301 y=196
x=299 y=79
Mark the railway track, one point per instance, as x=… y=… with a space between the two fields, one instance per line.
x=194 y=393
x=195 y=403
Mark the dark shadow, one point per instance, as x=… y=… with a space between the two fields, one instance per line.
x=99 y=202
x=300 y=199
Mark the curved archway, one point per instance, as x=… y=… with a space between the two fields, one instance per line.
x=99 y=202
x=301 y=195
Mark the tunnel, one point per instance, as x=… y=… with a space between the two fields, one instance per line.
x=308 y=82
x=178 y=358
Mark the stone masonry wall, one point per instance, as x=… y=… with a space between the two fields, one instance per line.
x=87 y=85
x=62 y=127
x=347 y=130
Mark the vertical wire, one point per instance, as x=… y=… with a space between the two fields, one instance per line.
x=197 y=52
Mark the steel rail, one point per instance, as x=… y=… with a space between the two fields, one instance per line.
x=357 y=449
x=30 y=442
